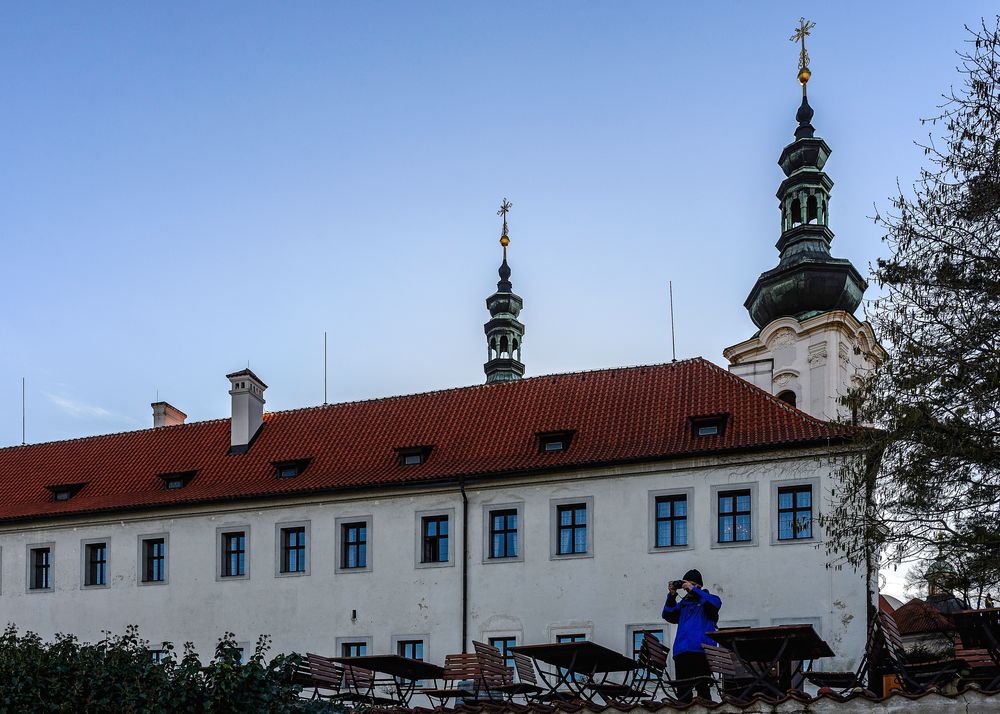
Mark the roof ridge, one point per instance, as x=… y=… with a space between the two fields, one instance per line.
x=369 y=400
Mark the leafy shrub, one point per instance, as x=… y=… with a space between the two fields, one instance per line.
x=119 y=674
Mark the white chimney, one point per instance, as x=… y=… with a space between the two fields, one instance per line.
x=165 y=414
x=248 y=409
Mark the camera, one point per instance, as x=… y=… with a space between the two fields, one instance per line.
x=676 y=584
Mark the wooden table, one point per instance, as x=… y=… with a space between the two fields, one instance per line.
x=981 y=629
x=578 y=665
x=402 y=674
x=766 y=649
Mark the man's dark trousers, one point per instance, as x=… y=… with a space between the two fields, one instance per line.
x=688 y=666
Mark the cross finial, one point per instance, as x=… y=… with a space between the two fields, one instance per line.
x=801 y=32
x=505 y=206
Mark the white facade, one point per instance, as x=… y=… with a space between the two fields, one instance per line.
x=619 y=584
x=818 y=359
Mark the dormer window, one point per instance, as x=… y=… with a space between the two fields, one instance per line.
x=64 y=492
x=176 y=479
x=414 y=455
x=708 y=425
x=552 y=441
x=290 y=469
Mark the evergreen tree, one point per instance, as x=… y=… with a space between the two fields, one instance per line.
x=929 y=477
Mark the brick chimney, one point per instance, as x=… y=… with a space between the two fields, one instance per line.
x=248 y=409
x=165 y=414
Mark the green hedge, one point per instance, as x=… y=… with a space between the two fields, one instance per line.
x=118 y=674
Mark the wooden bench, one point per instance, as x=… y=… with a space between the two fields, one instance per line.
x=980 y=667
x=732 y=676
x=319 y=673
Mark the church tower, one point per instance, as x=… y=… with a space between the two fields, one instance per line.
x=504 y=332
x=810 y=349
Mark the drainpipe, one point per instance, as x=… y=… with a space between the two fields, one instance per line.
x=465 y=566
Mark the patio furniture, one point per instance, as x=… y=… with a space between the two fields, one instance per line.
x=978 y=645
x=844 y=682
x=318 y=672
x=458 y=670
x=581 y=667
x=772 y=655
x=915 y=678
x=498 y=677
x=652 y=661
x=401 y=674
x=731 y=675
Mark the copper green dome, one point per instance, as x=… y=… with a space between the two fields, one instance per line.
x=807 y=280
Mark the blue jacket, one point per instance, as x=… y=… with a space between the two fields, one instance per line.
x=694 y=615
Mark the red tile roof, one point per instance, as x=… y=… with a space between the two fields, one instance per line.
x=619 y=415
x=917 y=617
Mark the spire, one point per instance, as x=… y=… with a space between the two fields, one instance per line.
x=504 y=332
x=807 y=280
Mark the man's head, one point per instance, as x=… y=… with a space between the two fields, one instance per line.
x=694 y=576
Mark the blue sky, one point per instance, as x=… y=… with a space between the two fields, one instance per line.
x=189 y=186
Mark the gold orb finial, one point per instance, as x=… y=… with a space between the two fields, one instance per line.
x=504 y=208
x=801 y=33
x=804 y=75
x=504 y=240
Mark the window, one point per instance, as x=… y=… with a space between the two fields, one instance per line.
x=96 y=566
x=549 y=441
x=794 y=512
x=503 y=533
x=572 y=529
x=40 y=568
x=154 y=560
x=504 y=644
x=157 y=655
x=177 y=479
x=637 y=635
x=788 y=397
x=414 y=455
x=64 y=492
x=354 y=545
x=434 y=536
x=413 y=649
x=671 y=521
x=708 y=425
x=353 y=649
x=234 y=553
x=734 y=516
x=293 y=550
x=290 y=469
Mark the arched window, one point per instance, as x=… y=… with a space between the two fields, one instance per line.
x=812 y=209
x=788 y=397
x=796 y=212
x=504 y=347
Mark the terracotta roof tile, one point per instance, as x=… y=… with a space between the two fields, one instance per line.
x=619 y=415
x=917 y=616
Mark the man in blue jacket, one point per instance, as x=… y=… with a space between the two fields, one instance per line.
x=694 y=615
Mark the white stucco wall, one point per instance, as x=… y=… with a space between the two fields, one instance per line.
x=618 y=585
x=819 y=359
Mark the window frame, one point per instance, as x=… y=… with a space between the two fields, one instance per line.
x=419 y=550
x=487 y=528
x=554 y=505
x=813 y=482
x=361 y=639
x=505 y=653
x=220 y=549
x=279 y=549
x=339 y=524
x=85 y=545
x=30 y=548
x=652 y=496
x=755 y=508
x=140 y=570
x=398 y=640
